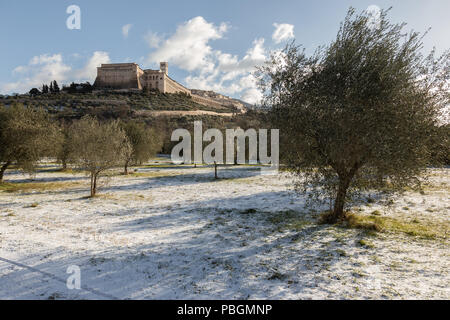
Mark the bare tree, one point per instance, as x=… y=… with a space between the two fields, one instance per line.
x=359 y=112
x=97 y=147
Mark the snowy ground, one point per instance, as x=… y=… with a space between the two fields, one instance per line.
x=175 y=233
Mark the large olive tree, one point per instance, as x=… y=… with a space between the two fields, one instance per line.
x=97 y=146
x=26 y=135
x=359 y=113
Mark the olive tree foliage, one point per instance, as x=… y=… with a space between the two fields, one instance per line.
x=359 y=113
x=96 y=147
x=64 y=146
x=145 y=143
x=26 y=135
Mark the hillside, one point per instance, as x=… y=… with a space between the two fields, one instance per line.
x=74 y=105
x=224 y=100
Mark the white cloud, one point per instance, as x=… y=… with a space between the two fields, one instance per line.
x=45 y=68
x=126 y=29
x=89 y=71
x=20 y=69
x=188 y=48
x=233 y=76
x=152 y=39
x=40 y=69
x=282 y=32
x=251 y=93
x=252 y=96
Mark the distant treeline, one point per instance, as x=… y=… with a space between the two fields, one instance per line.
x=54 y=88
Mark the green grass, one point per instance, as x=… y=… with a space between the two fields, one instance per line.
x=366 y=243
x=152 y=174
x=113 y=101
x=41 y=186
x=376 y=213
x=288 y=220
x=414 y=228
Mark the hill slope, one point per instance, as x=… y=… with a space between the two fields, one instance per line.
x=74 y=105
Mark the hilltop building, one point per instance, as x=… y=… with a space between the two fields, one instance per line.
x=129 y=76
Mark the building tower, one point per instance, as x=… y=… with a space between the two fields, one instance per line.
x=164 y=67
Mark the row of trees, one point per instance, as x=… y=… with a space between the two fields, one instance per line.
x=54 y=88
x=28 y=135
x=363 y=113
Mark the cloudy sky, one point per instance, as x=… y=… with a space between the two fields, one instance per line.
x=213 y=45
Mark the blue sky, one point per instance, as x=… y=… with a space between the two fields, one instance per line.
x=208 y=44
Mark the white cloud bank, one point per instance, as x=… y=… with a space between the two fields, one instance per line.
x=282 y=32
x=190 y=48
x=126 y=30
x=45 y=68
x=89 y=71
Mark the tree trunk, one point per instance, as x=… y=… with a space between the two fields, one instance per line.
x=215 y=170
x=94 y=188
x=345 y=178
x=92 y=184
x=125 y=169
x=3 y=169
x=64 y=164
x=339 y=202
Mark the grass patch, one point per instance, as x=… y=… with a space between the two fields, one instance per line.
x=386 y=224
x=123 y=197
x=376 y=213
x=240 y=180
x=151 y=174
x=288 y=220
x=365 y=243
x=56 y=169
x=41 y=186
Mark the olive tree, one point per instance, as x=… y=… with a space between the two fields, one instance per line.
x=359 y=113
x=96 y=147
x=64 y=145
x=26 y=135
x=145 y=143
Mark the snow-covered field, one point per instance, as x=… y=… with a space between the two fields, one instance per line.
x=176 y=233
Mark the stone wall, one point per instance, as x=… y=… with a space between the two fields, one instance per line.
x=171 y=86
x=119 y=76
x=206 y=101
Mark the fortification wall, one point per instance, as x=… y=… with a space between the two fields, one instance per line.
x=119 y=76
x=206 y=101
x=171 y=86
